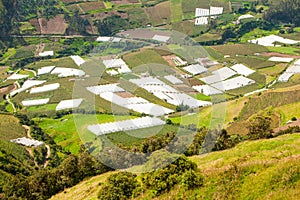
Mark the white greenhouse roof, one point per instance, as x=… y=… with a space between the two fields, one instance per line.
x=17 y=76
x=45 y=70
x=216 y=10
x=297 y=62
x=161 y=38
x=207 y=90
x=68 y=104
x=174 y=80
x=167 y=93
x=233 y=83
x=242 y=69
x=137 y=104
x=219 y=75
x=26 y=85
x=44 y=88
x=65 y=72
x=103 y=39
x=271 y=39
x=105 y=88
x=78 y=60
x=46 y=53
x=125 y=125
x=246 y=16
x=281 y=59
x=35 y=102
x=27 y=142
x=195 y=69
x=201 y=21
x=285 y=77
x=201 y=12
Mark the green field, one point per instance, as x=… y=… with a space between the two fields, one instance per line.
x=142 y=57
x=239 y=49
x=70 y=130
x=176 y=10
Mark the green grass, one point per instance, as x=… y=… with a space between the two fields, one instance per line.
x=257 y=33
x=71 y=130
x=202 y=97
x=142 y=57
x=136 y=137
x=7 y=55
x=269 y=99
x=285 y=50
x=289 y=110
x=263 y=169
x=176 y=10
x=10 y=128
x=255 y=62
x=239 y=49
x=189 y=6
x=58 y=62
x=272 y=71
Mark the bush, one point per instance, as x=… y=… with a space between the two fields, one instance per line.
x=192 y=179
x=119 y=186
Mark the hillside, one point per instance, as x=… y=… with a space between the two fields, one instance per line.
x=263 y=169
x=136 y=84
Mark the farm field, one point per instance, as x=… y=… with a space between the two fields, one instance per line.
x=68 y=130
x=142 y=57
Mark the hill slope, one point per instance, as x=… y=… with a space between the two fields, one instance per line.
x=264 y=169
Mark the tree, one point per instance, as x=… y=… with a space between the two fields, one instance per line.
x=119 y=186
x=192 y=179
x=260 y=127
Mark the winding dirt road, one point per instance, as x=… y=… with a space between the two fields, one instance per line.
x=28 y=130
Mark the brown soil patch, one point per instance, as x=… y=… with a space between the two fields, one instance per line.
x=125 y=94
x=102 y=15
x=121 y=2
x=194 y=81
x=270 y=54
x=88 y=6
x=3 y=73
x=292 y=124
x=56 y=25
x=169 y=60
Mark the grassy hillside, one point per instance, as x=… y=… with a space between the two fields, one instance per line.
x=264 y=169
x=14 y=159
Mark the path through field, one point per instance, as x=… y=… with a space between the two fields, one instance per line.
x=11 y=103
x=28 y=130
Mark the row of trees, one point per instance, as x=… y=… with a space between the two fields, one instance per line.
x=45 y=183
x=125 y=185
